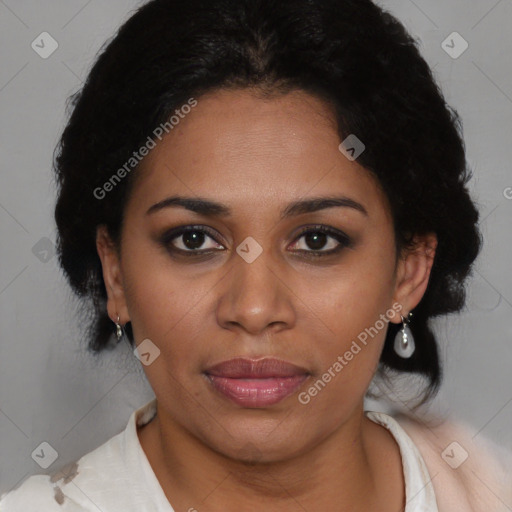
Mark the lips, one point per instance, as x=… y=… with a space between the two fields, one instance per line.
x=256 y=383
x=241 y=368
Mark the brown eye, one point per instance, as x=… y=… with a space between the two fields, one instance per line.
x=316 y=240
x=321 y=240
x=191 y=239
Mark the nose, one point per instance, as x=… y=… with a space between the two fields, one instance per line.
x=256 y=297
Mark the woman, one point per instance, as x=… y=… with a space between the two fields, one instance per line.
x=267 y=199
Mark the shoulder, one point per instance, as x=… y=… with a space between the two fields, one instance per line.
x=72 y=488
x=462 y=463
x=113 y=476
x=37 y=493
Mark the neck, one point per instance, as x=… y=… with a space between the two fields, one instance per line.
x=344 y=470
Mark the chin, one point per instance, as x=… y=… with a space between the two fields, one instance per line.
x=256 y=445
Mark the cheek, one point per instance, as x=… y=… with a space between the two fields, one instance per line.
x=351 y=297
x=349 y=359
x=158 y=293
x=350 y=309
x=167 y=306
x=168 y=313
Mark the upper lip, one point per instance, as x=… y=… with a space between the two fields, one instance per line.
x=243 y=368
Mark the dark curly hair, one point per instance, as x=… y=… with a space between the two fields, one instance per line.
x=350 y=53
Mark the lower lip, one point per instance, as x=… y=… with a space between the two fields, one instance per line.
x=257 y=392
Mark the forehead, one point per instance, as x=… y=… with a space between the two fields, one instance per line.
x=242 y=149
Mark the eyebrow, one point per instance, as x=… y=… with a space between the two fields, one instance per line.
x=210 y=208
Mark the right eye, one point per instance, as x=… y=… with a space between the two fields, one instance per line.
x=189 y=240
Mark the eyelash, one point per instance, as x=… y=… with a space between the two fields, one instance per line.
x=166 y=240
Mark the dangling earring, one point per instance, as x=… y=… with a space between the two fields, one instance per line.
x=119 y=331
x=404 y=340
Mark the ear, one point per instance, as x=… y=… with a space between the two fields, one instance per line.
x=413 y=273
x=112 y=276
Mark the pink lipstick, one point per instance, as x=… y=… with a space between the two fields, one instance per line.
x=256 y=383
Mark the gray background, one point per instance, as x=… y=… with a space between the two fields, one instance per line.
x=52 y=390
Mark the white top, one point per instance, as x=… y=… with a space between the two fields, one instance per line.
x=117 y=476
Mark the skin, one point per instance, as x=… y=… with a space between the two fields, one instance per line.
x=256 y=156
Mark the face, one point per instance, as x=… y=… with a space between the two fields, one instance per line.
x=258 y=275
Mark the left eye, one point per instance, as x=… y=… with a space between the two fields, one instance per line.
x=318 y=238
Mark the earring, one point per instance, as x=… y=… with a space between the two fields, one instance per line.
x=119 y=332
x=404 y=340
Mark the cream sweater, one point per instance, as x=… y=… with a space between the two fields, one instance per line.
x=469 y=472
